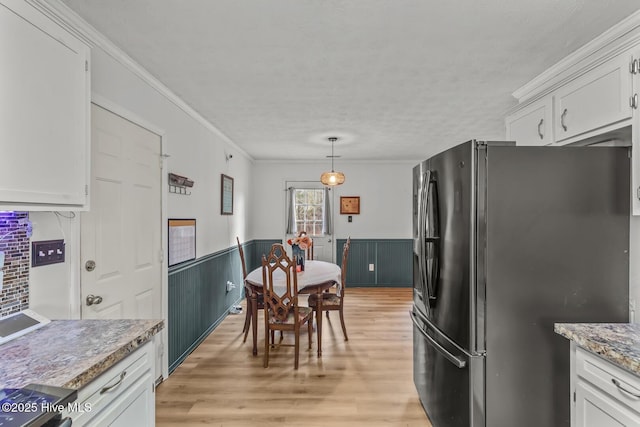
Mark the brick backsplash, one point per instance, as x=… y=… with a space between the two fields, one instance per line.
x=14 y=241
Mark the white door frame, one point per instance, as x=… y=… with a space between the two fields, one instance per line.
x=287 y=183
x=75 y=295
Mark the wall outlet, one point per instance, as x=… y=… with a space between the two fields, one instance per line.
x=371 y=267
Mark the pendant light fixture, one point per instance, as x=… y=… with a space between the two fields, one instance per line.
x=332 y=178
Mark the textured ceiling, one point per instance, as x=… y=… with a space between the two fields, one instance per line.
x=394 y=79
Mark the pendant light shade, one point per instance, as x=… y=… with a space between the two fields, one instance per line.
x=332 y=178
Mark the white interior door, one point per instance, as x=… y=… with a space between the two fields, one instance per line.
x=120 y=243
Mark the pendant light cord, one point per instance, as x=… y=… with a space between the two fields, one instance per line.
x=333 y=140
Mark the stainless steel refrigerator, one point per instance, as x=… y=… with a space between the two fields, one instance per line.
x=507 y=241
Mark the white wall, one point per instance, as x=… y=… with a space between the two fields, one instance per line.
x=195 y=151
x=384 y=188
x=51 y=286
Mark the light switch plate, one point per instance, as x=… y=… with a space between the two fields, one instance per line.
x=47 y=252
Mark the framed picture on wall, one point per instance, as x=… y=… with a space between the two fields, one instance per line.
x=350 y=205
x=226 y=195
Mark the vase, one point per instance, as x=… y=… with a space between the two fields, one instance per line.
x=298 y=256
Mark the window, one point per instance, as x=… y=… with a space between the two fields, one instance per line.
x=309 y=210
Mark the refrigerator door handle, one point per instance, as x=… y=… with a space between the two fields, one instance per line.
x=461 y=364
x=432 y=238
x=422 y=226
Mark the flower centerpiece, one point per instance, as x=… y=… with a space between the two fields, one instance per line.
x=299 y=244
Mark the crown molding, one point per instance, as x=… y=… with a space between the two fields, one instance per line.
x=612 y=42
x=342 y=162
x=76 y=25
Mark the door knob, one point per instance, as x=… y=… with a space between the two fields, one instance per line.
x=94 y=299
x=90 y=265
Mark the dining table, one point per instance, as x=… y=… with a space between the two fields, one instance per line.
x=317 y=277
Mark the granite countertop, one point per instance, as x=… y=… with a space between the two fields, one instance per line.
x=71 y=353
x=618 y=343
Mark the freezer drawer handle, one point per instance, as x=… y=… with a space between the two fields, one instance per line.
x=446 y=353
x=617 y=384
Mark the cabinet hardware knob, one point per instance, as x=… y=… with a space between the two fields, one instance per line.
x=540 y=134
x=111 y=387
x=617 y=384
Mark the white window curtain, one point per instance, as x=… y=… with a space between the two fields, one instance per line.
x=291 y=212
x=327 y=227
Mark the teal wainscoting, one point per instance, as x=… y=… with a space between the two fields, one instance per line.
x=392 y=260
x=198 y=297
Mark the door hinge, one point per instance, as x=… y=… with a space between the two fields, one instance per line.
x=86 y=189
x=161 y=255
x=86 y=65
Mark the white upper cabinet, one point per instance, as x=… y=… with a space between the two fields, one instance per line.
x=592 y=96
x=597 y=99
x=44 y=112
x=531 y=125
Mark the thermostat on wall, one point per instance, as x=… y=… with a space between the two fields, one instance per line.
x=17 y=324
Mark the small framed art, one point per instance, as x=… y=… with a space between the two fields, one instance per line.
x=350 y=205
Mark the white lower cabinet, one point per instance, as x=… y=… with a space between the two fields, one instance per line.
x=597 y=409
x=122 y=396
x=605 y=395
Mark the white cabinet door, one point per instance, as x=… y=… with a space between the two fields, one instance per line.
x=44 y=111
x=532 y=124
x=596 y=409
x=595 y=100
x=134 y=407
x=123 y=395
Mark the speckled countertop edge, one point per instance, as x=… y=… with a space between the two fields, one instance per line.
x=618 y=343
x=71 y=353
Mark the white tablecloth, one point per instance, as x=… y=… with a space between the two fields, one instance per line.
x=315 y=272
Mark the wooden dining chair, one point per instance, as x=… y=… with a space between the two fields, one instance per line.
x=248 y=293
x=281 y=309
x=310 y=251
x=334 y=301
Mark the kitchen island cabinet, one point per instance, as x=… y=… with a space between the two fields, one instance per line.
x=605 y=374
x=110 y=363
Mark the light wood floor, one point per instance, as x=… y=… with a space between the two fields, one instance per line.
x=366 y=381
